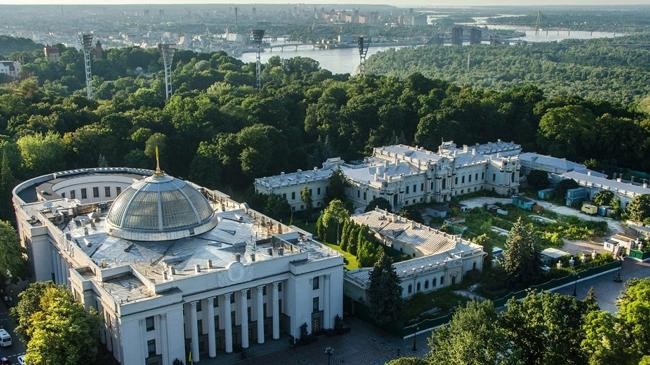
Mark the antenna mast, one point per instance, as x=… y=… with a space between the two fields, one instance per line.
x=86 y=41
x=258 y=36
x=167 y=52
x=363 y=51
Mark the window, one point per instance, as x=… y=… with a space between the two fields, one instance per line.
x=442 y=280
x=512 y=177
x=284 y=195
x=415 y=188
x=73 y=194
x=63 y=195
x=462 y=179
x=469 y=178
x=358 y=193
x=248 y=294
x=150 y=324
x=215 y=302
x=410 y=288
x=315 y=304
x=407 y=190
x=444 y=184
x=482 y=175
x=364 y=195
x=417 y=287
x=151 y=347
x=198 y=305
x=107 y=191
x=422 y=187
x=293 y=195
x=264 y=290
x=473 y=265
x=279 y=287
x=318 y=191
x=84 y=193
x=426 y=284
x=476 y=176
x=456 y=181
x=232 y=298
x=434 y=282
x=118 y=190
x=494 y=177
x=95 y=192
x=316 y=283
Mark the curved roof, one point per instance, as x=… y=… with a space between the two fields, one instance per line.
x=158 y=208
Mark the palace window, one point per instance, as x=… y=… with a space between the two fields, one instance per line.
x=107 y=191
x=315 y=304
x=316 y=283
x=150 y=324
x=84 y=193
x=151 y=347
x=95 y=192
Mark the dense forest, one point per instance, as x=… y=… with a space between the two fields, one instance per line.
x=220 y=131
x=616 y=70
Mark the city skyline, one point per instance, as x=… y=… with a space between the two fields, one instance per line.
x=408 y=3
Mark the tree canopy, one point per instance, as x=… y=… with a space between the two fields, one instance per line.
x=384 y=292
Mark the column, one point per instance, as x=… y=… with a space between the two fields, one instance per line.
x=175 y=342
x=243 y=307
x=276 y=311
x=59 y=268
x=227 y=322
x=212 y=341
x=53 y=261
x=259 y=307
x=327 y=311
x=64 y=268
x=194 y=332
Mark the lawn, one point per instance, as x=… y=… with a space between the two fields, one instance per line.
x=445 y=299
x=351 y=261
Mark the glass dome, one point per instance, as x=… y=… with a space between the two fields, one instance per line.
x=159 y=208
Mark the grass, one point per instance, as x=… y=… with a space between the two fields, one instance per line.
x=444 y=298
x=351 y=261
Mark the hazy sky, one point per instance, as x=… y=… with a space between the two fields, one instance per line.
x=431 y=3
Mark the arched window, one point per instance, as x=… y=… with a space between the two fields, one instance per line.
x=426 y=284
x=417 y=287
x=410 y=289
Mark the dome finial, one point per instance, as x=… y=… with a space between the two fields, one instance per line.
x=158 y=170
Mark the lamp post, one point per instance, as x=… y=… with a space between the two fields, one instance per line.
x=415 y=335
x=572 y=263
x=329 y=351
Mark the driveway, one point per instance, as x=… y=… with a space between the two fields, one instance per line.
x=7 y=323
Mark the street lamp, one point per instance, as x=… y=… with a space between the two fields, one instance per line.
x=572 y=263
x=415 y=335
x=329 y=351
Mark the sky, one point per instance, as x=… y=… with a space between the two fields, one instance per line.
x=404 y=3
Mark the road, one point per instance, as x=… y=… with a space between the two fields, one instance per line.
x=7 y=323
x=605 y=288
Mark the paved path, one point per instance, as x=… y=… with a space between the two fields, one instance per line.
x=7 y=323
x=365 y=345
x=606 y=289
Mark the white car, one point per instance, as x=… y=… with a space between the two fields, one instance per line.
x=5 y=338
x=21 y=360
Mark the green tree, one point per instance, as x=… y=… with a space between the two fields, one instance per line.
x=62 y=331
x=538 y=179
x=606 y=340
x=545 y=328
x=591 y=302
x=634 y=310
x=305 y=196
x=277 y=207
x=12 y=262
x=384 y=292
x=7 y=182
x=470 y=338
x=332 y=220
x=521 y=257
x=604 y=197
x=407 y=361
x=41 y=153
x=484 y=241
x=639 y=208
x=337 y=185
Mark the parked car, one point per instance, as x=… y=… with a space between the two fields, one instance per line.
x=5 y=338
x=21 y=360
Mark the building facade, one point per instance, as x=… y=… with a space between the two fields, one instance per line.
x=172 y=268
x=405 y=175
x=439 y=259
x=10 y=69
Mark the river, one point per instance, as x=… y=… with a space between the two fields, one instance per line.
x=346 y=60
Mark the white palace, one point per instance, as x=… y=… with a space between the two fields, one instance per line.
x=405 y=175
x=172 y=268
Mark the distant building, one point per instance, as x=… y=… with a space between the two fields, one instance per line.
x=552 y=165
x=439 y=259
x=624 y=191
x=98 y=51
x=474 y=36
x=405 y=175
x=457 y=35
x=11 y=69
x=52 y=54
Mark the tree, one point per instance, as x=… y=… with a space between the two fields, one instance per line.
x=537 y=179
x=471 y=337
x=606 y=340
x=634 y=311
x=407 y=361
x=29 y=302
x=42 y=154
x=521 y=258
x=604 y=197
x=332 y=220
x=639 y=208
x=277 y=207
x=412 y=213
x=12 y=262
x=484 y=241
x=384 y=292
x=591 y=302
x=564 y=185
x=7 y=182
x=305 y=196
x=545 y=328
x=380 y=203
x=62 y=331
x=337 y=185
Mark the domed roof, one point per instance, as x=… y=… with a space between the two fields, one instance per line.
x=159 y=208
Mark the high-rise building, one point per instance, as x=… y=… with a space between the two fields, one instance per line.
x=474 y=36
x=457 y=36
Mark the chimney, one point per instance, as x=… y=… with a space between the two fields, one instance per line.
x=209 y=264
x=165 y=276
x=252 y=257
x=197 y=268
x=618 y=179
x=172 y=272
x=238 y=257
x=269 y=251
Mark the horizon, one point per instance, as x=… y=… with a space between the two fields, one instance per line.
x=408 y=3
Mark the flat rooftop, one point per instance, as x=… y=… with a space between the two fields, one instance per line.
x=294 y=178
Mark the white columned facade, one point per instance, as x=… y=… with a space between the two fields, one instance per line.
x=212 y=341
x=194 y=332
x=327 y=323
x=259 y=308
x=227 y=322
x=276 y=311
x=243 y=307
